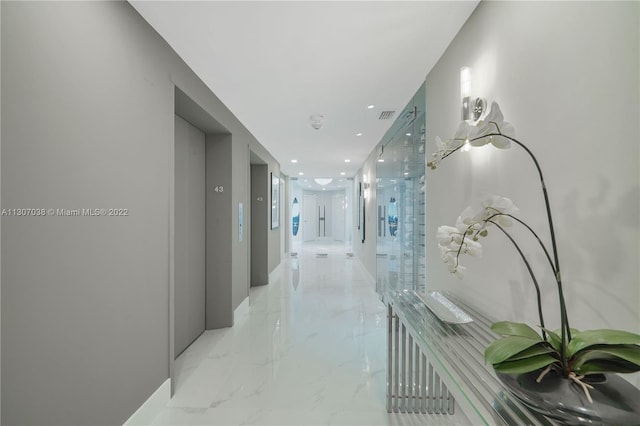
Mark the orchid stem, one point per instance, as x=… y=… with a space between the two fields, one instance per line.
x=533 y=277
x=565 y=329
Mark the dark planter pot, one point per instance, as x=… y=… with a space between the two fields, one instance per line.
x=615 y=401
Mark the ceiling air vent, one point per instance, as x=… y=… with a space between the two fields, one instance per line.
x=386 y=115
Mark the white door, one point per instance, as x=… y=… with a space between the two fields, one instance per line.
x=338 y=217
x=309 y=218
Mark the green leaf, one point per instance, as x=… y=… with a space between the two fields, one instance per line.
x=508 y=328
x=629 y=353
x=506 y=347
x=607 y=366
x=588 y=338
x=525 y=365
x=531 y=352
x=554 y=339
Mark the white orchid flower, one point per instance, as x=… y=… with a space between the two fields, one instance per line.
x=496 y=204
x=492 y=123
x=444 y=148
x=453 y=242
x=464 y=129
x=447 y=234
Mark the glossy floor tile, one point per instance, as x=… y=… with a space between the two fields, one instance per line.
x=310 y=350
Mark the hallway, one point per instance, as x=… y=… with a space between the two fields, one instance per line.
x=309 y=350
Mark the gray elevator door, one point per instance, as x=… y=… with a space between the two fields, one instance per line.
x=190 y=234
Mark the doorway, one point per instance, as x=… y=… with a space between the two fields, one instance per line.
x=309 y=218
x=189 y=240
x=260 y=221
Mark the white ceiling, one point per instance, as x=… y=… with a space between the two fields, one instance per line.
x=274 y=64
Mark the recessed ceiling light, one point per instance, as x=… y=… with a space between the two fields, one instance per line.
x=294 y=161
x=301 y=174
x=406 y=173
x=358 y=134
x=380 y=160
x=342 y=173
x=408 y=134
x=347 y=161
x=371 y=107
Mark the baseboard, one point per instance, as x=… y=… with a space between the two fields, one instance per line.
x=276 y=270
x=241 y=310
x=148 y=411
x=370 y=279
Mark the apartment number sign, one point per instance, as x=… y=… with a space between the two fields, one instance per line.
x=219 y=188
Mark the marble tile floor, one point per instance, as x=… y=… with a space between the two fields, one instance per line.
x=309 y=350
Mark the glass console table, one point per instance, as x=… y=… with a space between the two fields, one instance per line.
x=434 y=367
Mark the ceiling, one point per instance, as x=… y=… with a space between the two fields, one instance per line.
x=274 y=64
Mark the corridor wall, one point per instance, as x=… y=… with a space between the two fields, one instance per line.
x=566 y=75
x=87 y=123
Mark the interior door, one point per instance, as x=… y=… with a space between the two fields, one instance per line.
x=189 y=240
x=338 y=217
x=309 y=218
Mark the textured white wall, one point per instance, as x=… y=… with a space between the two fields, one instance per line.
x=566 y=74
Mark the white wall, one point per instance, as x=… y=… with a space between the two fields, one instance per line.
x=566 y=75
x=338 y=216
x=366 y=251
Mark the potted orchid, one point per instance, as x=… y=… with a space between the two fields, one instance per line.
x=577 y=357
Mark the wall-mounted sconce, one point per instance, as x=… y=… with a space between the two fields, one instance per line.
x=367 y=190
x=472 y=108
x=317 y=120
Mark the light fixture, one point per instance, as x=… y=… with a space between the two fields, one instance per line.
x=342 y=173
x=472 y=108
x=358 y=134
x=347 y=161
x=371 y=107
x=366 y=193
x=323 y=181
x=294 y=161
x=380 y=160
x=317 y=120
x=408 y=134
x=301 y=174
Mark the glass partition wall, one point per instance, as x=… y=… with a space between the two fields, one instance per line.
x=400 y=186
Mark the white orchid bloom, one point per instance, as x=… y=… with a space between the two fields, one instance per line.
x=472 y=248
x=496 y=204
x=458 y=271
x=453 y=242
x=464 y=129
x=444 y=148
x=448 y=234
x=492 y=123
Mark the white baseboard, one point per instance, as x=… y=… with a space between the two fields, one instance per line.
x=370 y=279
x=148 y=411
x=273 y=274
x=242 y=309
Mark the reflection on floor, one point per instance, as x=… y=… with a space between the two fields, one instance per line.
x=310 y=350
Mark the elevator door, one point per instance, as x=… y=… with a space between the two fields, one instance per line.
x=189 y=292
